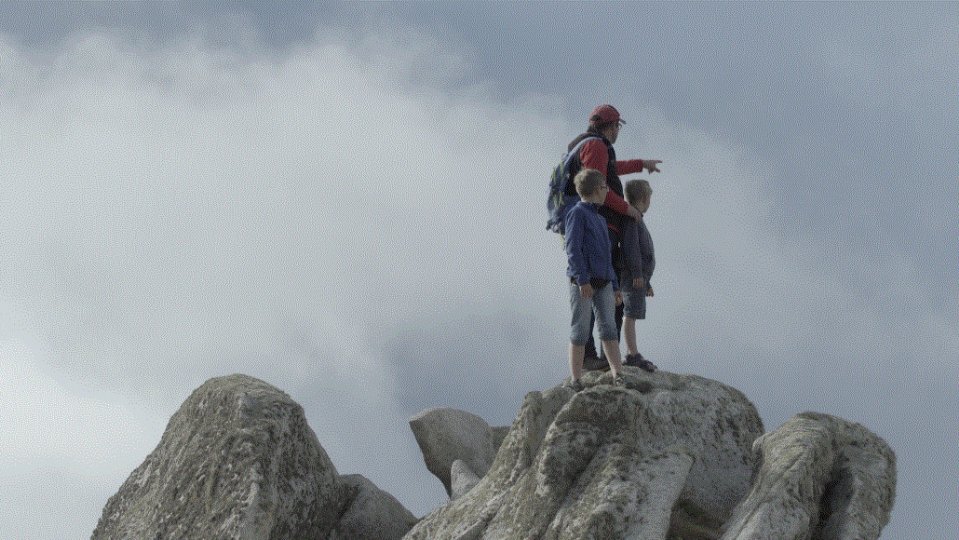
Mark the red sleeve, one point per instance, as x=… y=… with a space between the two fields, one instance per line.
x=616 y=203
x=629 y=166
x=593 y=155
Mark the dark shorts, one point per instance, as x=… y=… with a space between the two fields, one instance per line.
x=634 y=300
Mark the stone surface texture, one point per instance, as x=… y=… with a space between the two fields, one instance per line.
x=666 y=453
x=463 y=479
x=372 y=514
x=821 y=477
x=447 y=435
x=238 y=461
x=665 y=457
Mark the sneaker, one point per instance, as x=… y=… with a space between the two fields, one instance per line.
x=573 y=385
x=618 y=380
x=637 y=360
x=593 y=363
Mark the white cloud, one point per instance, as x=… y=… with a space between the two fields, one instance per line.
x=50 y=420
x=62 y=446
x=182 y=212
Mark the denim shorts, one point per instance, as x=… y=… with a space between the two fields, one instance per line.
x=603 y=304
x=634 y=300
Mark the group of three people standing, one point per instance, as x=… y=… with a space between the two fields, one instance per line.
x=623 y=256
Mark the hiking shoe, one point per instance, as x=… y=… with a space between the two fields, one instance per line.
x=573 y=385
x=618 y=380
x=637 y=360
x=646 y=365
x=593 y=363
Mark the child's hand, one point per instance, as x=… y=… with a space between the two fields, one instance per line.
x=649 y=291
x=586 y=291
x=651 y=165
x=619 y=298
x=638 y=283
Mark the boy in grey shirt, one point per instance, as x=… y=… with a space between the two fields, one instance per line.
x=640 y=262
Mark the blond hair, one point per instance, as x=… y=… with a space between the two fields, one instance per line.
x=588 y=181
x=638 y=191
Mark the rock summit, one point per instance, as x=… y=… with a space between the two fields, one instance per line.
x=665 y=457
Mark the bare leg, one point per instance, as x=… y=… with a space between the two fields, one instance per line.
x=629 y=329
x=611 y=348
x=576 y=353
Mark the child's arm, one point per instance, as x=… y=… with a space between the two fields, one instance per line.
x=633 y=254
x=647 y=253
x=575 y=238
x=586 y=291
x=616 y=288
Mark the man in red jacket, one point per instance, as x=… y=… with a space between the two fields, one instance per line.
x=598 y=153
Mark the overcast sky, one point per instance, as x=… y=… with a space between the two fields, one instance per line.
x=347 y=201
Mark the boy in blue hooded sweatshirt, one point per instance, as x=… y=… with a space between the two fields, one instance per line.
x=593 y=286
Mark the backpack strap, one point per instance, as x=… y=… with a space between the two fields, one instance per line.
x=572 y=153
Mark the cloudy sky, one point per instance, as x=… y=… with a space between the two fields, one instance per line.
x=347 y=201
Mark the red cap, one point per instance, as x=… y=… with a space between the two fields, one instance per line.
x=605 y=114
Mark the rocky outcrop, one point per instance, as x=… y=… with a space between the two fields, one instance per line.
x=447 y=435
x=463 y=479
x=372 y=513
x=668 y=456
x=666 y=453
x=821 y=477
x=238 y=461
